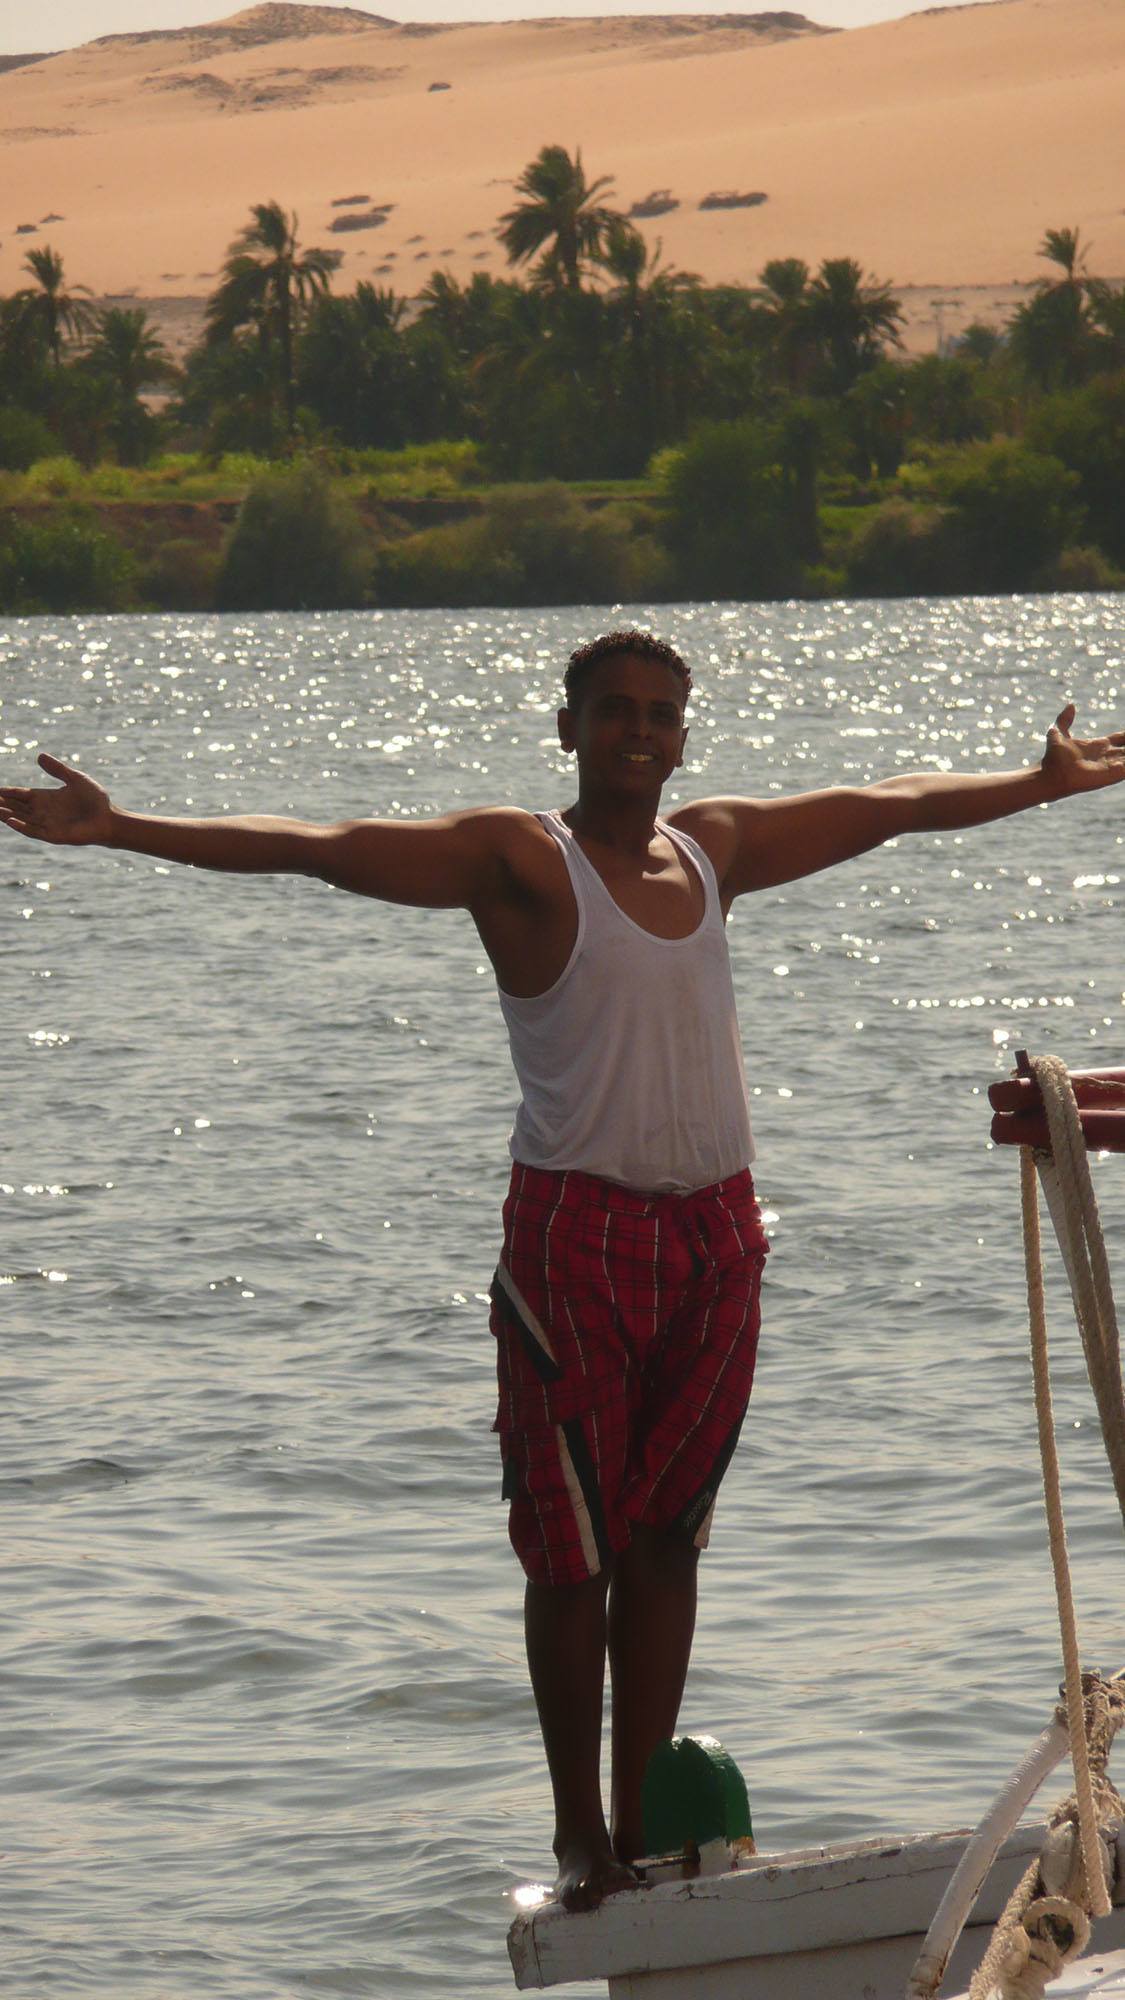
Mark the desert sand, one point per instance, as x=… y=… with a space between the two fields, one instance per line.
x=935 y=149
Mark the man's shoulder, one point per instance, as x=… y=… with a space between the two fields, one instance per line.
x=528 y=856
x=507 y=827
x=727 y=829
x=718 y=810
x=710 y=823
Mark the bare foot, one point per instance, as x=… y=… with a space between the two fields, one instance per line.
x=588 y=1875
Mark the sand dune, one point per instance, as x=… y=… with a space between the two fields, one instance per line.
x=935 y=149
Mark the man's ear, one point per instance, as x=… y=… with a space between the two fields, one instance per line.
x=683 y=747
x=565 y=722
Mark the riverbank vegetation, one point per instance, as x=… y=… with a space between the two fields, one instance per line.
x=597 y=427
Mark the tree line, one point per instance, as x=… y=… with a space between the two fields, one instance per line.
x=594 y=359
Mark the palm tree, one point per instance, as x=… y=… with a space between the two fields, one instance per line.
x=267 y=284
x=442 y=302
x=1065 y=248
x=49 y=305
x=354 y=368
x=229 y=395
x=465 y=316
x=852 y=321
x=640 y=274
x=1107 y=313
x=804 y=436
x=782 y=298
x=654 y=347
x=876 y=411
x=561 y=214
x=1058 y=334
x=979 y=342
x=21 y=351
x=1051 y=334
x=127 y=353
x=536 y=381
x=128 y=348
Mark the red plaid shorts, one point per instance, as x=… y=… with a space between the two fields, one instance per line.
x=627 y=1329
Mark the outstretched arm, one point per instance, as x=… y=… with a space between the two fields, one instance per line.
x=757 y=843
x=445 y=863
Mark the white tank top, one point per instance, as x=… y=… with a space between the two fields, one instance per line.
x=630 y=1065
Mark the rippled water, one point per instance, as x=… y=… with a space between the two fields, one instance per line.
x=263 y=1711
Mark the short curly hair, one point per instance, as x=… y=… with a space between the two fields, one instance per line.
x=611 y=646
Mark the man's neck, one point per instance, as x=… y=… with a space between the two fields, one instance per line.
x=611 y=821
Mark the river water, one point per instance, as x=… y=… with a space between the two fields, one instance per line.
x=264 y=1718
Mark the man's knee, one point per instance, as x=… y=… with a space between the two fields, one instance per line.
x=668 y=1551
x=562 y=1599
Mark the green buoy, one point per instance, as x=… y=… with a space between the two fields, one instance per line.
x=693 y=1794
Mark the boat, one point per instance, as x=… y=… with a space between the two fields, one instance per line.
x=845 y=1922
x=856 y=1920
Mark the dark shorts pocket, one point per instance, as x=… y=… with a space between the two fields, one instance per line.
x=514 y=1314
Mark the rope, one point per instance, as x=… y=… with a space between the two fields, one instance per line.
x=1087 y=1262
x=1056 y=1533
x=1046 y=1921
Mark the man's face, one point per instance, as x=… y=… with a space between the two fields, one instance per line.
x=627 y=729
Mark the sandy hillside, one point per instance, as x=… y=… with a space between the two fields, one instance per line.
x=935 y=149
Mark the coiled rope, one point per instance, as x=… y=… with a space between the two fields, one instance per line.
x=1047 y=1919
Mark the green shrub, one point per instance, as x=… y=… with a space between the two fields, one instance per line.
x=60 y=477
x=662 y=464
x=905 y=550
x=180 y=575
x=841 y=528
x=171 y=468
x=1011 y=510
x=944 y=398
x=242 y=467
x=449 y=566
x=731 y=524
x=824 y=580
x=567 y=553
x=24 y=437
x=1086 y=430
x=533 y=545
x=1083 y=569
x=297 y=546
x=420 y=471
x=62 y=561
x=111 y=482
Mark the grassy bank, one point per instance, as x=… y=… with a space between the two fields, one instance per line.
x=423 y=527
x=420 y=526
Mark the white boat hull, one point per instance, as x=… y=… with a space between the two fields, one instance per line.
x=834 y=1923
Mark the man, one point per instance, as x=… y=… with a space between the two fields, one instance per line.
x=626 y=1298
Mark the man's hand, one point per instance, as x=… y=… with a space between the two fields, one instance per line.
x=78 y=815
x=1074 y=764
